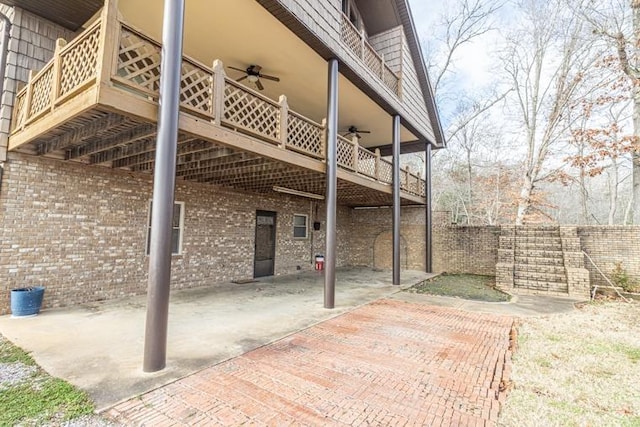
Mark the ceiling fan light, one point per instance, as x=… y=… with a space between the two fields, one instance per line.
x=252 y=78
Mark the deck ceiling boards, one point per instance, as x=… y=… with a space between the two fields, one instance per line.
x=120 y=142
x=71 y=14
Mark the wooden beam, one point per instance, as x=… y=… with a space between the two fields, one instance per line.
x=79 y=134
x=130 y=135
x=186 y=145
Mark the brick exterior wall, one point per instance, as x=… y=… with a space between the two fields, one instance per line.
x=81 y=231
x=607 y=245
x=463 y=249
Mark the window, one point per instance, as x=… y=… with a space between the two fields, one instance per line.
x=176 y=231
x=299 y=226
x=350 y=9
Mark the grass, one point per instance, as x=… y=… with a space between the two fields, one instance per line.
x=577 y=369
x=467 y=286
x=39 y=398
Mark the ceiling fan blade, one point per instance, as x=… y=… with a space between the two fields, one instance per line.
x=268 y=77
x=364 y=131
x=241 y=78
x=259 y=85
x=237 y=69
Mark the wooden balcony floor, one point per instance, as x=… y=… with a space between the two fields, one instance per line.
x=107 y=139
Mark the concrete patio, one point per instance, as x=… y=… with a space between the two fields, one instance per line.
x=99 y=346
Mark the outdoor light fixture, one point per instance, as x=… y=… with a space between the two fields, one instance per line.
x=297 y=193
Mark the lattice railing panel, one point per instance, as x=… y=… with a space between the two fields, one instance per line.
x=139 y=61
x=79 y=61
x=350 y=36
x=391 y=80
x=19 y=109
x=304 y=135
x=385 y=172
x=345 y=153
x=422 y=187
x=366 y=162
x=372 y=60
x=41 y=87
x=196 y=88
x=250 y=111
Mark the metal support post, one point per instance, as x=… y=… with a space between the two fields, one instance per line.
x=155 y=344
x=428 y=211
x=396 y=199
x=332 y=184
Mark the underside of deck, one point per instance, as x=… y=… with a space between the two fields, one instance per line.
x=96 y=103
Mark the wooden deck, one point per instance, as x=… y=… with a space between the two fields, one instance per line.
x=96 y=102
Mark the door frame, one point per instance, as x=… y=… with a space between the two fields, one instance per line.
x=274 y=215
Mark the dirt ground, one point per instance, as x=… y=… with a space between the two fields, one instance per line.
x=577 y=369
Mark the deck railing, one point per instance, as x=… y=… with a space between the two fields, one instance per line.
x=206 y=92
x=357 y=42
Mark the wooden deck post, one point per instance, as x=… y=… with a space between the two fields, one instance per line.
x=218 y=91
x=356 y=149
x=377 y=166
x=284 y=121
x=57 y=68
x=109 y=42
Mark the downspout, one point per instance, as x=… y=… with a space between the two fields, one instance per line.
x=4 y=48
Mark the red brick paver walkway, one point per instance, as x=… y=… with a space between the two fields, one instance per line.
x=386 y=363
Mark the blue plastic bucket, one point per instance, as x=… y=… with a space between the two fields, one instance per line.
x=26 y=301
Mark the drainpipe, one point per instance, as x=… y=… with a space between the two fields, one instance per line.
x=4 y=48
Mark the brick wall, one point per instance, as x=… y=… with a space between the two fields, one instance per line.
x=463 y=249
x=371 y=244
x=607 y=245
x=81 y=232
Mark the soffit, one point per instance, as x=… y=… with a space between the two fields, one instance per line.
x=242 y=32
x=70 y=14
x=378 y=15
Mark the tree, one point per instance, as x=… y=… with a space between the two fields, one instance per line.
x=545 y=61
x=618 y=24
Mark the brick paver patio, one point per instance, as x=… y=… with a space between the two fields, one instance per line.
x=386 y=363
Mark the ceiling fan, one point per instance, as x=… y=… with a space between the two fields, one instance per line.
x=354 y=131
x=253 y=74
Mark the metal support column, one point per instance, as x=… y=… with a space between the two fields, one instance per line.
x=396 y=199
x=331 y=195
x=155 y=344
x=428 y=211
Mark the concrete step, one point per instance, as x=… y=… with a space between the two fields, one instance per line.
x=538 y=253
x=538 y=231
x=553 y=241
x=557 y=260
x=539 y=245
x=542 y=286
x=540 y=268
x=544 y=277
